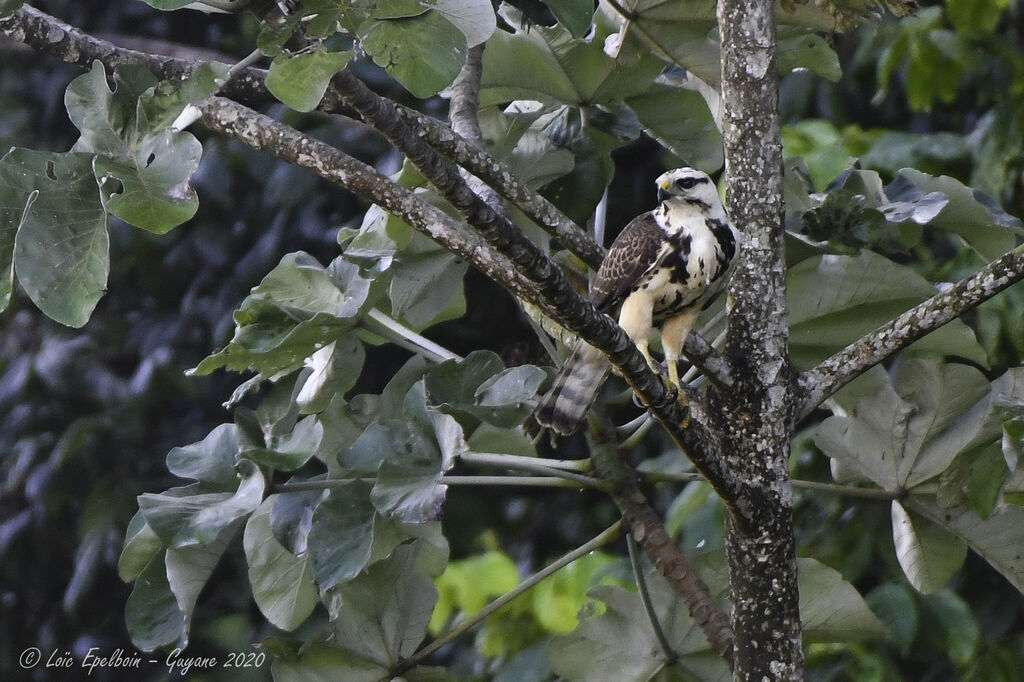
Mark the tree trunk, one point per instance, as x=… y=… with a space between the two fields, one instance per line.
x=753 y=419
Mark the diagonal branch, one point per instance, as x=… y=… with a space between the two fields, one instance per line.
x=646 y=527
x=815 y=385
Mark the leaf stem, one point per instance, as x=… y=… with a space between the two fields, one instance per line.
x=645 y=599
x=555 y=481
x=604 y=537
x=834 y=488
x=500 y=459
x=536 y=466
x=396 y=332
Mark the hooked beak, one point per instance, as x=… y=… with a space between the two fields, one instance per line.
x=663 y=192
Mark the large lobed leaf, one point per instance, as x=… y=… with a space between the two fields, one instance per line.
x=833 y=300
x=938 y=433
x=381 y=618
x=143 y=167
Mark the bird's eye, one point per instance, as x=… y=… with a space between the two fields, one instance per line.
x=685 y=183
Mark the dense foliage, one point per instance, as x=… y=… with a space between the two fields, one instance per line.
x=333 y=493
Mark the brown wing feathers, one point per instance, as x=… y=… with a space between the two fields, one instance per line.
x=634 y=251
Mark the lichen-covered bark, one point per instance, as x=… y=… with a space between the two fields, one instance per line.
x=832 y=374
x=752 y=420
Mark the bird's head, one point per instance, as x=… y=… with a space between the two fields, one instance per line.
x=689 y=185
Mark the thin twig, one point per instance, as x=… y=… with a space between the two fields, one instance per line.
x=603 y=538
x=648 y=529
x=645 y=600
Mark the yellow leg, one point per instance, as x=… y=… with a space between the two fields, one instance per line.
x=673 y=335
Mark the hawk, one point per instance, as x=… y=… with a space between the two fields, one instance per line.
x=661 y=271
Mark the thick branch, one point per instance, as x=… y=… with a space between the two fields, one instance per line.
x=818 y=384
x=753 y=418
x=647 y=529
x=500 y=177
x=262 y=132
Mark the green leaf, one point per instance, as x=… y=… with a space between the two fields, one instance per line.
x=831 y=609
x=301 y=80
x=423 y=53
x=318 y=662
x=474 y=18
x=298 y=308
x=425 y=281
x=550 y=66
x=189 y=567
x=678 y=31
x=997 y=539
x=953 y=624
x=575 y=15
x=180 y=521
x=988 y=474
x=336 y=368
x=143 y=170
x=895 y=605
x=141 y=546
x=289 y=451
x=928 y=554
x=341 y=535
x=578 y=193
x=410 y=489
x=557 y=601
x=211 y=460
x=490 y=438
x=151 y=613
x=478 y=388
x=692 y=136
x=969 y=213
x=468 y=584
x=409 y=457
x=150 y=190
x=975 y=17
x=513 y=391
x=61 y=248
x=834 y=300
x=282 y=583
x=620 y=644
x=912 y=426
x=384 y=613
x=7 y=7
x=801 y=48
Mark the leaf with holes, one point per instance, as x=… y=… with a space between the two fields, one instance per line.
x=424 y=53
x=143 y=173
x=53 y=232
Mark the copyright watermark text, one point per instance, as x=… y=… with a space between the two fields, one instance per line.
x=176 y=662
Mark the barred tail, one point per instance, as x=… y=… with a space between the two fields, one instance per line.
x=575 y=390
